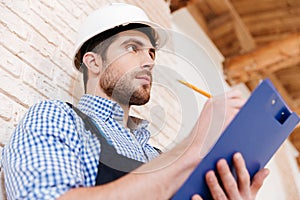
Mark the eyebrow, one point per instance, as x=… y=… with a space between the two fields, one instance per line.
x=131 y=40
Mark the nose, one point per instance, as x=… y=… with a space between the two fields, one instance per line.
x=147 y=61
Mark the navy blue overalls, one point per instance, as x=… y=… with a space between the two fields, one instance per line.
x=108 y=155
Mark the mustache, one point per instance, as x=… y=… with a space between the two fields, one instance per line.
x=142 y=73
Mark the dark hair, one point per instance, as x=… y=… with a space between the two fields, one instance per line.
x=95 y=44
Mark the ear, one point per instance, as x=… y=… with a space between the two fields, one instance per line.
x=93 y=62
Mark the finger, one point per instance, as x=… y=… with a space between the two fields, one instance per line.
x=214 y=186
x=237 y=103
x=258 y=180
x=233 y=94
x=228 y=180
x=196 y=197
x=242 y=174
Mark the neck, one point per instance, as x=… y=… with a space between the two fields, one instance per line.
x=99 y=92
x=126 y=109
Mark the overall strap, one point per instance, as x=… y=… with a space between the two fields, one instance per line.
x=111 y=164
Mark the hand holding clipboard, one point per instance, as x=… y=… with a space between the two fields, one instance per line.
x=257 y=131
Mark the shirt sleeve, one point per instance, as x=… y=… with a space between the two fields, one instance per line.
x=42 y=159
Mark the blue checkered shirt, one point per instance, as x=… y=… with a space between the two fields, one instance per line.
x=50 y=151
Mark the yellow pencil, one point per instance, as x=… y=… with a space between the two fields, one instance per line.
x=195 y=88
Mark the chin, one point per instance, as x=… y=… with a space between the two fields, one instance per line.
x=139 y=101
x=140 y=98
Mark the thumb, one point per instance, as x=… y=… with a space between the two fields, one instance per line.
x=196 y=197
x=258 y=180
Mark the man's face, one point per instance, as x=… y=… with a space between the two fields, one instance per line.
x=128 y=74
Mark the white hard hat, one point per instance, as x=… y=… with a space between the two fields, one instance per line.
x=108 y=17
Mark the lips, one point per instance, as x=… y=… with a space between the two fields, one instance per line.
x=144 y=78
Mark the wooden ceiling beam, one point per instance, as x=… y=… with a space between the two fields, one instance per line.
x=229 y=20
x=262 y=40
x=283 y=92
x=277 y=13
x=242 y=32
x=269 y=58
x=295 y=137
x=246 y=6
x=279 y=25
x=176 y=4
x=217 y=6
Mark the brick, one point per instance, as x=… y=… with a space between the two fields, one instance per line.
x=67 y=48
x=64 y=62
x=38 y=81
x=84 y=8
x=71 y=8
x=21 y=93
x=62 y=79
x=11 y=63
x=64 y=13
x=61 y=53
x=22 y=50
x=77 y=88
x=15 y=110
x=13 y=22
x=40 y=44
x=59 y=27
x=43 y=27
x=6 y=129
x=63 y=96
x=17 y=113
x=22 y=9
x=96 y=3
x=16 y=25
x=5 y=108
x=2 y=188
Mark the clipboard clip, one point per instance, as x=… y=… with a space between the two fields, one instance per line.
x=282 y=115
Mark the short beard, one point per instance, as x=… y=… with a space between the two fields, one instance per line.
x=122 y=91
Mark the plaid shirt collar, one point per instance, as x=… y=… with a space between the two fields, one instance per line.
x=102 y=108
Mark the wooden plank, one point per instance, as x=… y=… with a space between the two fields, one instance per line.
x=295 y=138
x=290 y=79
x=217 y=6
x=262 y=40
x=227 y=41
x=225 y=28
x=276 y=25
x=269 y=55
x=246 y=6
x=250 y=73
x=252 y=84
x=290 y=61
x=245 y=38
x=271 y=14
x=204 y=8
x=282 y=91
x=220 y=20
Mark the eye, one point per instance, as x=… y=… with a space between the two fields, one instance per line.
x=132 y=48
x=152 y=53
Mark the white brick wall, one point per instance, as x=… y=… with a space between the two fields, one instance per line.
x=36 y=45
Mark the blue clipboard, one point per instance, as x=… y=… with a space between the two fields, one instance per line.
x=257 y=131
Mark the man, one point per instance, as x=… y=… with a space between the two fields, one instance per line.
x=60 y=152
